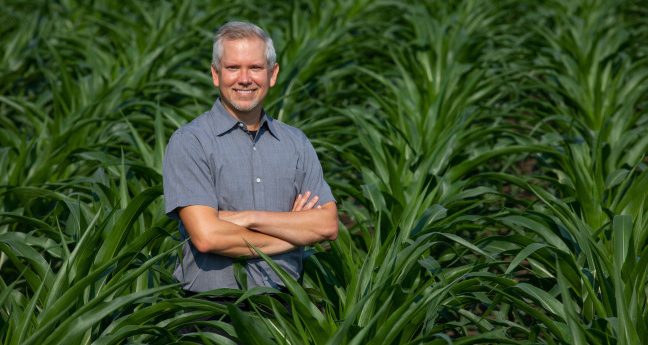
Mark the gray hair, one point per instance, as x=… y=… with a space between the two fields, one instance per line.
x=240 y=30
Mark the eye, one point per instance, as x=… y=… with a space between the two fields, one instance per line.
x=232 y=68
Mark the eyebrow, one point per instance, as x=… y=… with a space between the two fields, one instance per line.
x=235 y=65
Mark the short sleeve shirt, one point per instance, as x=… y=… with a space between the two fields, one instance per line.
x=213 y=161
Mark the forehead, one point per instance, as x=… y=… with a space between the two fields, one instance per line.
x=244 y=49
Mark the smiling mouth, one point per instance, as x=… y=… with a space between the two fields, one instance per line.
x=244 y=92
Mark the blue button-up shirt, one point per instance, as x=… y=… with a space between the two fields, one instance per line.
x=213 y=161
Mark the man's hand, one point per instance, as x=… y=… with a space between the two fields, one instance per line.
x=302 y=203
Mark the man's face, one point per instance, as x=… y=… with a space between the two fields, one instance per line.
x=244 y=77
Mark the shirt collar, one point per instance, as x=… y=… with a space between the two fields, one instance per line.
x=225 y=122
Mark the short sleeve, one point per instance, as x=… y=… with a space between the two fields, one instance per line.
x=314 y=177
x=186 y=174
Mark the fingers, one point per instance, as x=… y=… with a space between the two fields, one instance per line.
x=300 y=201
x=296 y=202
x=311 y=203
x=303 y=203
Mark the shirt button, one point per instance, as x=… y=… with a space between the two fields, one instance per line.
x=258 y=179
x=240 y=124
x=254 y=148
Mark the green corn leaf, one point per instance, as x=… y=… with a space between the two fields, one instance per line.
x=28 y=316
x=569 y=312
x=523 y=254
x=307 y=310
x=248 y=330
x=465 y=243
x=124 y=224
x=549 y=302
x=31 y=263
x=75 y=327
x=62 y=277
x=621 y=233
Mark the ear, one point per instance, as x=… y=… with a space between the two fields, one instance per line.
x=215 y=76
x=275 y=73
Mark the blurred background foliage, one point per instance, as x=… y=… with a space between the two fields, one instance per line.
x=489 y=161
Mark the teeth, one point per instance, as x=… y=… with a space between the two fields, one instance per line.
x=244 y=91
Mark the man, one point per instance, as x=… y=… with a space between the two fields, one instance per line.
x=234 y=176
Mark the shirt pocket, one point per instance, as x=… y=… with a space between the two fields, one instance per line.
x=299 y=180
x=285 y=191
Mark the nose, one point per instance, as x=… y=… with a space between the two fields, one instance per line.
x=244 y=77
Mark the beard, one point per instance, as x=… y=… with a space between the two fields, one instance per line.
x=240 y=106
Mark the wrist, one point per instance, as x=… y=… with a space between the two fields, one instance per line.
x=240 y=218
x=249 y=217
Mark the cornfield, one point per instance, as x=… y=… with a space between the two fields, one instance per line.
x=489 y=159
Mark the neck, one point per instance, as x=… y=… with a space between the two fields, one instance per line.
x=250 y=118
x=251 y=121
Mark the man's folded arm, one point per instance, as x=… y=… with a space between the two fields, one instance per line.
x=306 y=227
x=211 y=234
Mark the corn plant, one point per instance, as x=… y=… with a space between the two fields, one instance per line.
x=489 y=161
x=590 y=97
